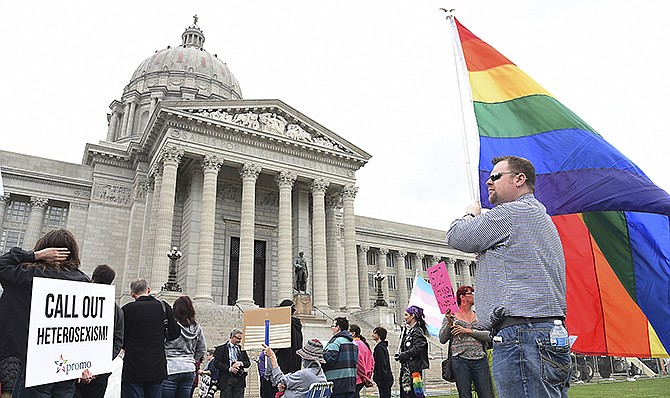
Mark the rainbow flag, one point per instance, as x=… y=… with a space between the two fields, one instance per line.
x=613 y=221
x=424 y=297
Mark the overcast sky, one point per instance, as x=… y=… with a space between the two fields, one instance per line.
x=378 y=73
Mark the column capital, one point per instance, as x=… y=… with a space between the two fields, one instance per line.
x=436 y=258
x=38 y=201
x=4 y=199
x=363 y=248
x=285 y=179
x=172 y=154
x=450 y=261
x=402 y=253
x=383 y=251
x=332 y=202
x=211 y=162
x=349 y=191
x=319 y=185
x=250 y=171
x=420 y=255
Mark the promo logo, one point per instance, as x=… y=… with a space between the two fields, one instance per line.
x=63 y=365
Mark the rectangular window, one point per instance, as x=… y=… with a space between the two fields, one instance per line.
x=17 y=211
x=390 y=260
x=11 y=238
x=408 y=262
x=55 y=216
x=372 y=257
x=457 y=267
x=371 y=281
x=425 y=263
x=472 y=268
x=391 y=279
x=410 y=284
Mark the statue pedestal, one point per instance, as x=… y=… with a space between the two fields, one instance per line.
x=379 y=316
x=303 y=304
x=168 y=296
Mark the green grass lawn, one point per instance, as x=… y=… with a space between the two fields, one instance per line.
x=659 y=387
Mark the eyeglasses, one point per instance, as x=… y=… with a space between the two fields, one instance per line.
x=496 y=176
x=470 y=293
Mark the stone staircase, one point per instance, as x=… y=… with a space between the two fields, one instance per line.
x=217 y=321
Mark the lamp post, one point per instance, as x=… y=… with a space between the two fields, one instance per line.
x=171 y=285
x=380 y=302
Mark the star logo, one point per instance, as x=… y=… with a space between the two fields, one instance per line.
x=60 y=364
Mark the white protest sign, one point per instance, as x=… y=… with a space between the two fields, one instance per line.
x=71 y=329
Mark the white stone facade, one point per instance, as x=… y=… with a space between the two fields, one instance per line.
x=239 y=186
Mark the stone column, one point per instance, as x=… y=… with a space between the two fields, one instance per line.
x=348 y=195
x=418 y=265
x=319 y=274
x=383 y=268
x=124 y=122
x=401 y=283
x=245 y=296
x=113 y=124
x=451 y=263
x=285 y=181
x=211 y=165
x=332 y=263
x=364 y=288
x=35 y=219
x=153 y=218
x=170 y=157
x=131 y=118
x=467 y=279
x=4 y=200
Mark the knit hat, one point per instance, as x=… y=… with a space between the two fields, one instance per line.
x=312 y=351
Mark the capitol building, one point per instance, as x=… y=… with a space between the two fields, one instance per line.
x=239 y=186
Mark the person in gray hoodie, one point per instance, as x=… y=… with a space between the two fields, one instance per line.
x=296 y=385
x=183 y=352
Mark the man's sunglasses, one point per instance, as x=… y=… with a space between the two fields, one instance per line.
x=496 y=176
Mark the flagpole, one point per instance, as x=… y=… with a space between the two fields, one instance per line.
x=465 y=96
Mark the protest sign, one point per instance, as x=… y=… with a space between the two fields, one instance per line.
x=71 y=329
x=444 y=291
x=271 y=323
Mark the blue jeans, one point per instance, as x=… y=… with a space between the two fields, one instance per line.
x=141 y=390
x=472 y=370
x=178 y=385
x=62 y=389
x=526 y=365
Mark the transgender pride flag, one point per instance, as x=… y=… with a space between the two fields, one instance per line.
x=424 y=297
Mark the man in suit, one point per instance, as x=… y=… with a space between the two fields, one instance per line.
x=232 y=363
x=147 y=324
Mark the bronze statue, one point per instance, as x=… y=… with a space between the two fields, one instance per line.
x=300 y=269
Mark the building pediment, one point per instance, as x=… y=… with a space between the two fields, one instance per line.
x=271 y=118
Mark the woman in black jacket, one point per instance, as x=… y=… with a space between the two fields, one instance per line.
x=413 y=355
x=382 y=375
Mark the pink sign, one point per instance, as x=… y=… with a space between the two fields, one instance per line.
x=442 y=287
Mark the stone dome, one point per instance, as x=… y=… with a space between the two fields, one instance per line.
x=186 y=71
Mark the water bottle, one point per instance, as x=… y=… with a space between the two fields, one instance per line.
x=558 y=335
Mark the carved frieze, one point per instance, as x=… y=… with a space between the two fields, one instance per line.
x=141 y=188
x=272 y=123
x=230 y=192
x=108 y=193
x=78 y=206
